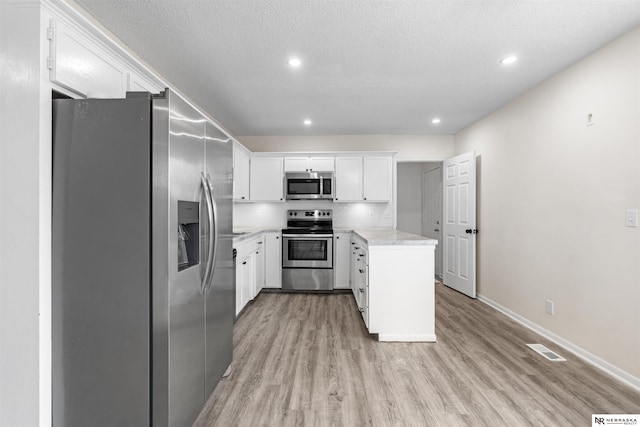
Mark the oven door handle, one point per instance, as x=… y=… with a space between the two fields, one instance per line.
x=306 y=236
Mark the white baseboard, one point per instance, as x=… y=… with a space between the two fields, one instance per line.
x=594 y=360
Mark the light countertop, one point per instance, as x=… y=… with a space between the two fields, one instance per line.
x=248 y=233
x=373 y=236
x=389 y=236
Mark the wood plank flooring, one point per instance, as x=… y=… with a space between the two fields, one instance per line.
x=307 y=360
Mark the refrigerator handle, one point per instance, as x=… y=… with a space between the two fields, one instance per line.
x=208 y=199
x=213 y=219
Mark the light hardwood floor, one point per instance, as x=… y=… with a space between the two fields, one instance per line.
x=307 y=360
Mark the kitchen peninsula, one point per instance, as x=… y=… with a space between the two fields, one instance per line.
x=391 y=275
x=393 y=283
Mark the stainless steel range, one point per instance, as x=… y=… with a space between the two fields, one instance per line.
x=307 y=250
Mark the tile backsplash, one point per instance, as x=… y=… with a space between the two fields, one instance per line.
x=345 y=215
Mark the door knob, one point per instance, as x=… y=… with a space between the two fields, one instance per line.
x=471 y=231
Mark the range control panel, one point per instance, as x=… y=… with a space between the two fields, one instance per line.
x=309 y=214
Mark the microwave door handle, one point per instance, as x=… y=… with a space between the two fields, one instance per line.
x=207 y=197
x=213 y=221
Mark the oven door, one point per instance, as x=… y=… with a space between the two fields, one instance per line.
x=307 y=251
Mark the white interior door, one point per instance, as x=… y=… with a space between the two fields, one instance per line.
x=432 y=211
x=459 y=225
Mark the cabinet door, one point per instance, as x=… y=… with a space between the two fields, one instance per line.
x=248 y=282
x=348 y=182
x=321 y=164
x=296 y=164
x=260 y=268
x=266 y=179
x=240 y=174
x=273 y=260
x=240 y=279
x=342 y=256
x=353 y=268
x=82 y=66
x=377 y=179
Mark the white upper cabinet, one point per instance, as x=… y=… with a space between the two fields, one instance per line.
x=348 y=182
x=377 y=179
x=266 y=184
x=363 y=179
x=82 y=65
x=240 y=174
x=309 y=164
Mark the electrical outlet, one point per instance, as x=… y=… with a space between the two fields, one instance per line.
x=631 y=217
x=550 y=308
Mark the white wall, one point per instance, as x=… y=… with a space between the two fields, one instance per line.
x=552 y=198
x=408 y=147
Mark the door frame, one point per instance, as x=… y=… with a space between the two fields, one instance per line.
x=440 y=161
x=439 y=246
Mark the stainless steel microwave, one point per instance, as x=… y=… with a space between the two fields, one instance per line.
x=308 y=186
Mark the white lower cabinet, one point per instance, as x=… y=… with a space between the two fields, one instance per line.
x=273 y=260
x=250 y=270
x=360 y=277
x=342 y=258
x=393 y=287
x=245 y=279
x=259 y=267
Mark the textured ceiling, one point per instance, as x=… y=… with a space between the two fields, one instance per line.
x=369 y=66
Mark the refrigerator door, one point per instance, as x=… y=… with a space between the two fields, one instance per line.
x=185 y=300
x=220 y=295
x=101 y=262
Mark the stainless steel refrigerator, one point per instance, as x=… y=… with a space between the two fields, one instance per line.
x=142 y=269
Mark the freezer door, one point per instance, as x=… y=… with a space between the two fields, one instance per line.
x=220 y=294
x=185 y=300
x=101 y=262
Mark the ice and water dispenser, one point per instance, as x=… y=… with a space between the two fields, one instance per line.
x=188 y=234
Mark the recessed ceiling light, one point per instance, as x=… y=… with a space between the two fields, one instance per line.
x=435 y=121
x=294 y=63
x=508 y=60
x=307 y=122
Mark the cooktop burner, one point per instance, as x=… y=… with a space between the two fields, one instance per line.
x=309 y=222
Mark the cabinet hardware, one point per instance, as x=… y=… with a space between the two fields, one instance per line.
x=361 y=270
x=361 y=310
x=437 y=230
x=244 y=262
x=361 y=289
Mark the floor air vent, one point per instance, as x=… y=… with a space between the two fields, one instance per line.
x=545 y=352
